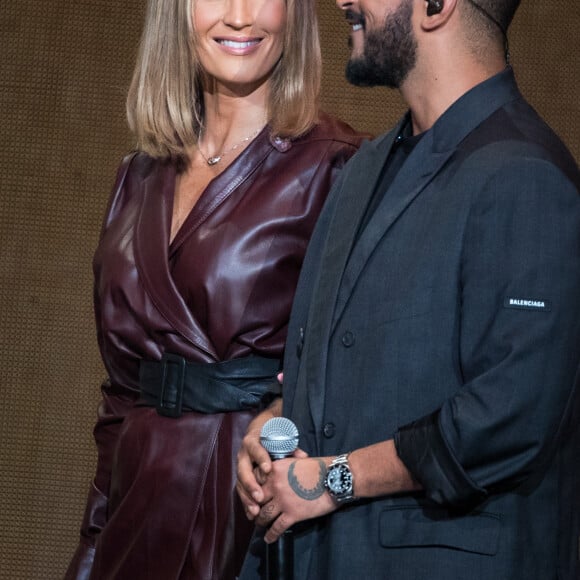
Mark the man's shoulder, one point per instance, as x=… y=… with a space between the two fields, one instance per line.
x=516 y=132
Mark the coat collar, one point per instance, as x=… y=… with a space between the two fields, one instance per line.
x=474 y=107
x=221 y=187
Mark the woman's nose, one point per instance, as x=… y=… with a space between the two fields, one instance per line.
x=240 y=13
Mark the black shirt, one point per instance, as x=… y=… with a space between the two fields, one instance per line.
x=402 y=147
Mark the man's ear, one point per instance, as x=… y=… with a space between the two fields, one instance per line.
x=436 y=13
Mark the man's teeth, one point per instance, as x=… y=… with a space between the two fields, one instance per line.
x=235 y=44
x=356 y=27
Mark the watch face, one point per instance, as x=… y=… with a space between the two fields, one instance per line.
x=339 y=479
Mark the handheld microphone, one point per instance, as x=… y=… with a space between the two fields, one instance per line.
x=279 y=437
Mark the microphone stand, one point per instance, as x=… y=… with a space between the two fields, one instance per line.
x=280 y=558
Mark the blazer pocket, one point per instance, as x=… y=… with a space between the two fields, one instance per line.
x=412 y=527
x=405 y=307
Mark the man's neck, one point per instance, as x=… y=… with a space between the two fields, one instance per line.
x=429 y=93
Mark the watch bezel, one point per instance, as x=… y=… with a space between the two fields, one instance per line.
x=340 y=465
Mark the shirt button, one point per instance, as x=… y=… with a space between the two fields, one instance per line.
x=329 y=430
x=348 y=339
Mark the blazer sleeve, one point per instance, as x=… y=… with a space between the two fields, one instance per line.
x=518 y=339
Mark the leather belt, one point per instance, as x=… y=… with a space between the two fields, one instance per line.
x=173 y=384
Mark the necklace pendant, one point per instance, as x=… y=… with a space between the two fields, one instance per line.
x=213 y=160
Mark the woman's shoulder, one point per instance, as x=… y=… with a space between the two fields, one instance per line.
x=330 y=128
x=132 y=171
x=138 y=165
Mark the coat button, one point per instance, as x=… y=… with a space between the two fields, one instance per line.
x=348 y=339
x=300 y=343
x=329 y=430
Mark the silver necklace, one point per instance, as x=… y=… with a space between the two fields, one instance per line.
x=213 y=159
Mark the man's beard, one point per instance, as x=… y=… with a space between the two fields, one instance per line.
x=389 y=52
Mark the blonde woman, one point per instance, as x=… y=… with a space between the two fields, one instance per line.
x=195 y=273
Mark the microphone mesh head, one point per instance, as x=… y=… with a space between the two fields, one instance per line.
x=279 y=436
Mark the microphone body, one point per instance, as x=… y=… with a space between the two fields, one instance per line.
x=279 y=436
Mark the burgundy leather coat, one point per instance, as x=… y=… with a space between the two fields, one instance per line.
x=162 y=504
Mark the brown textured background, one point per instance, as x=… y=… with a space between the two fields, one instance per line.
x=64 y=70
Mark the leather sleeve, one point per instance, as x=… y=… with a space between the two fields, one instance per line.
x=114 y=406
x=81 y=563
x=111 y=411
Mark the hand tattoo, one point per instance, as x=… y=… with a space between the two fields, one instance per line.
x=307 y=494
x=268 y=510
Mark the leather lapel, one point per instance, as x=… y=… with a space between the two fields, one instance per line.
x=151 y=254
x=223 y=185
x=152 y=250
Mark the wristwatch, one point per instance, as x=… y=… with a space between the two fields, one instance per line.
x=339 y=481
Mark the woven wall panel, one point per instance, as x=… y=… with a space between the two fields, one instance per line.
x=63 y=76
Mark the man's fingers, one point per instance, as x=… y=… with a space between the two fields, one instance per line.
x=300 y=454
x=257 y=455
x=251 y=508
x=278 y=527
x=260 y=476
x=248 y=487
x=268 y=513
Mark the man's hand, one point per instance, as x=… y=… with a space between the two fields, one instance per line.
x=293 y=491
x=254 y=463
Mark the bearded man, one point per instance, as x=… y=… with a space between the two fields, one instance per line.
x=432 y=356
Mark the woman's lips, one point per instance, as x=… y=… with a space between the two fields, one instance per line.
x=239 y=46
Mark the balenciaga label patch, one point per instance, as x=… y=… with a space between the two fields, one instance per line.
x=528 y=304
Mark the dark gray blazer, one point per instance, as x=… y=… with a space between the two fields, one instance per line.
x=452 y=323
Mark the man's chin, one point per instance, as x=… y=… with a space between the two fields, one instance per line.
x=359 y=74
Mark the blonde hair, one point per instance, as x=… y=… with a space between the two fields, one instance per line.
x=165 y=99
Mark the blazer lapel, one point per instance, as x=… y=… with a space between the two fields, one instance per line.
x=350 y=206
x=152 y=248
x=418 y=170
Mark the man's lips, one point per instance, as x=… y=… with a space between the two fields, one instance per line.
x=355 y=19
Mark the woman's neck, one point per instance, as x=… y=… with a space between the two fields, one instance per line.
x=231 y=118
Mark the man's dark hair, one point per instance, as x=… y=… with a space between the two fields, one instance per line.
x=502 y=11
x=489 y=19
x=492 y=13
